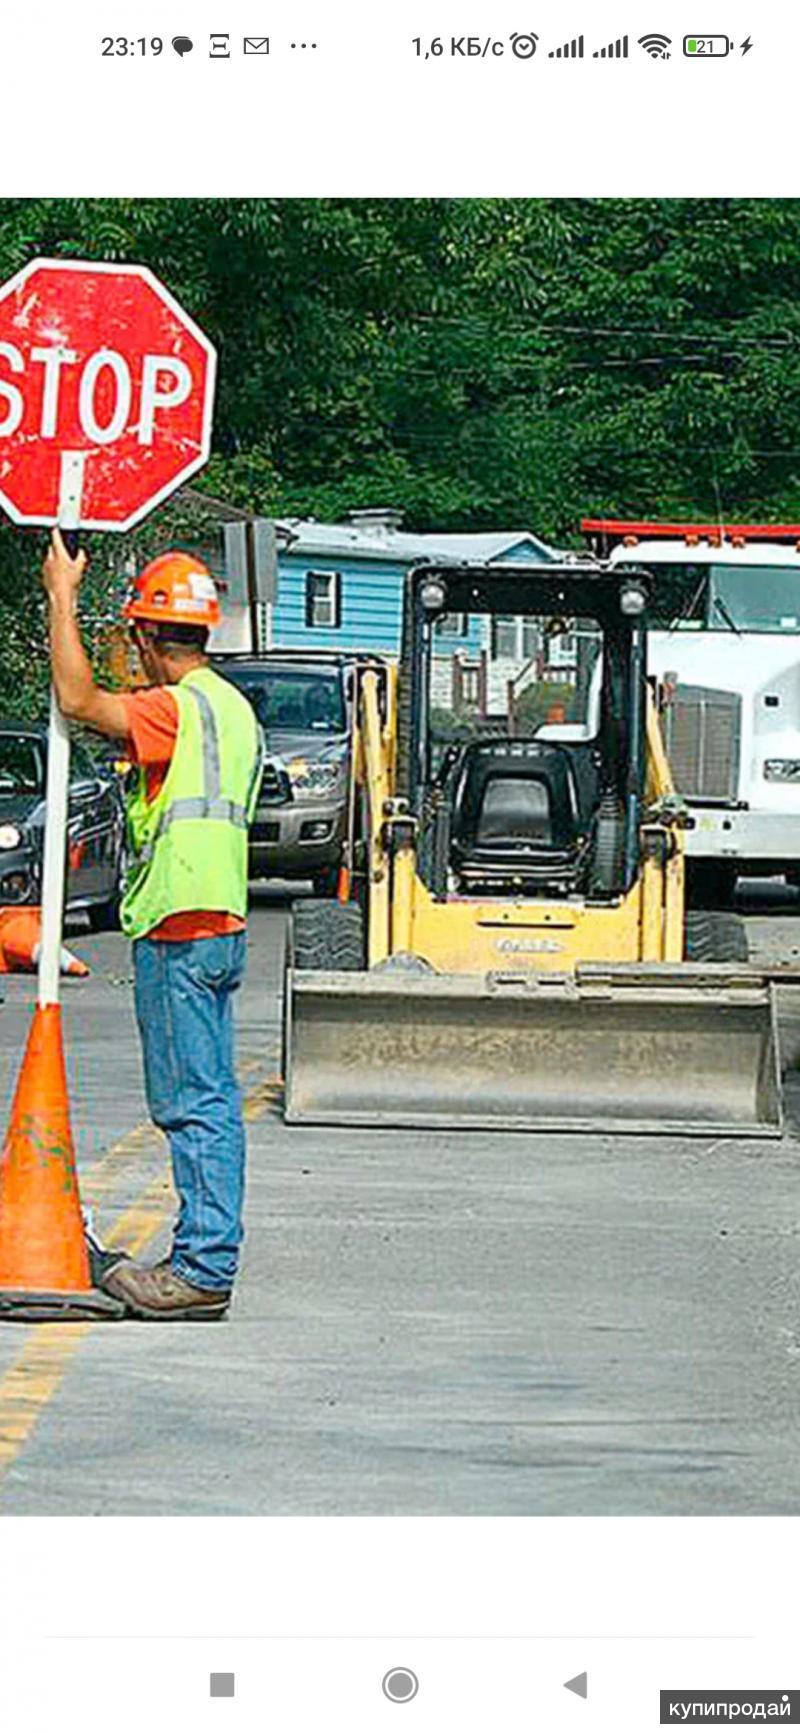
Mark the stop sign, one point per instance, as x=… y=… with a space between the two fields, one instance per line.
x=106 y=394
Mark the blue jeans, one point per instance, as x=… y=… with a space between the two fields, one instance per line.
x=184 y=1010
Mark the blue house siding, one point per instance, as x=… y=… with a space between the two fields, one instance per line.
x=370 y=605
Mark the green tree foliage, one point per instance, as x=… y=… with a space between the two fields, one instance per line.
x=476 y=363
x=546 y=701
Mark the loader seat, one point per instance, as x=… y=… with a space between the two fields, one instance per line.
x=521 y=807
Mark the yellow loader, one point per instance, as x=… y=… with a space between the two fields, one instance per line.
x=515 y=951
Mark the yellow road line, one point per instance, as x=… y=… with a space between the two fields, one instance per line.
x=139 y=1224
x=99 y=1181
x=262 y=1097
x=34 y=1377
x=32 y=1380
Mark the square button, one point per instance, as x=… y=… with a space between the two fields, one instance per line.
x=221 y=1684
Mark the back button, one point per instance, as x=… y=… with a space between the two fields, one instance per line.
x=580 y=1684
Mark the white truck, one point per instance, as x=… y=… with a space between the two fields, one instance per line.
x=727 y=664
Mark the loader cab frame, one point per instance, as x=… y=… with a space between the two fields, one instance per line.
x=594 y=853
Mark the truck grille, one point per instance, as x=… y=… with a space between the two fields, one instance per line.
x=702 y=728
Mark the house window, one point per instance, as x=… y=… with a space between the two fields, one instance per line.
x=516 y=637
x=504 y=635
x=562 y=650
x=471 y=684
x=452 y=626
x=324 y=599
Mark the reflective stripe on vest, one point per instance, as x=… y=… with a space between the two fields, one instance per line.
x=209 y=793
x=213 y=806
x=208 y=729
x=226 y=810
x=209 y=805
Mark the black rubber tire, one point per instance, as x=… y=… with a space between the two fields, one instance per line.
x=326 y=881
x=710 y=885
x=327 y=935
x=104 y=917
x=712 y=936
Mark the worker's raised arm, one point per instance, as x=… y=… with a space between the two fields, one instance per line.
x=78 y=696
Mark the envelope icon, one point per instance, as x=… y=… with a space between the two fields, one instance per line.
x=256 y=45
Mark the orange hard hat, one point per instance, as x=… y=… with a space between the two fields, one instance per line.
x=176 y=588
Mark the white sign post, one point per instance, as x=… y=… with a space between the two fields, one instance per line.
x=53 y=870
x=57 y=796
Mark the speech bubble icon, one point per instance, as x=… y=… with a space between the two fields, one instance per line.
x=182 y=45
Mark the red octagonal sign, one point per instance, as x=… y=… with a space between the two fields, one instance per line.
x=106 y=394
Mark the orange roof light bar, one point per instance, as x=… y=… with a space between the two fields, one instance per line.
x=613 y=530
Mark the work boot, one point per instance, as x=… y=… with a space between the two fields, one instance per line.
x=161 y=1294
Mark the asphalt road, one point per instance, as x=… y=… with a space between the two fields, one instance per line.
x=425 y=1323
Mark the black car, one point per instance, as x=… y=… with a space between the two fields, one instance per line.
x=95 y=826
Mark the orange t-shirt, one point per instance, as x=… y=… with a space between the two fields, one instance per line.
x=151 y=734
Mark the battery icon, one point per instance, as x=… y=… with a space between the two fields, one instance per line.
x=707 y=47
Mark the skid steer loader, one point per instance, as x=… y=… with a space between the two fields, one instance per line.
x=515 y=951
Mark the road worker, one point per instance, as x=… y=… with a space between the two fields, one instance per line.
x=196 y=745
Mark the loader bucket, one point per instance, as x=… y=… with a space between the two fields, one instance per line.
x=641 y=1048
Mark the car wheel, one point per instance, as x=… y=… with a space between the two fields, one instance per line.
x=104 y=917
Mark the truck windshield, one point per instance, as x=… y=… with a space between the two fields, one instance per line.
x=758 y=599
x=298 y=701
x=722 y=598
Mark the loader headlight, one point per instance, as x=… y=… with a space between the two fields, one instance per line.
x=10 y=836
x=432 y=595
x=633 y=596
x=782 y=769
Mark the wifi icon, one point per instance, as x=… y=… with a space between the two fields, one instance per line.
x=656 y=46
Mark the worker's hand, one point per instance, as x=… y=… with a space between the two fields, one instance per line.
x=61 y=574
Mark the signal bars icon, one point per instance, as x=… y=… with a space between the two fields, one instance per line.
x=616 y=50
x=572 y=50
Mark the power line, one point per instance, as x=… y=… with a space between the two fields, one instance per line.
x=477 y=440
x=533 y=327
x=518 y=363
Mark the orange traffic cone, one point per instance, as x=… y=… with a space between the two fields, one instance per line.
x=44 y=1259
x=67 y=963
x=20 y=936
